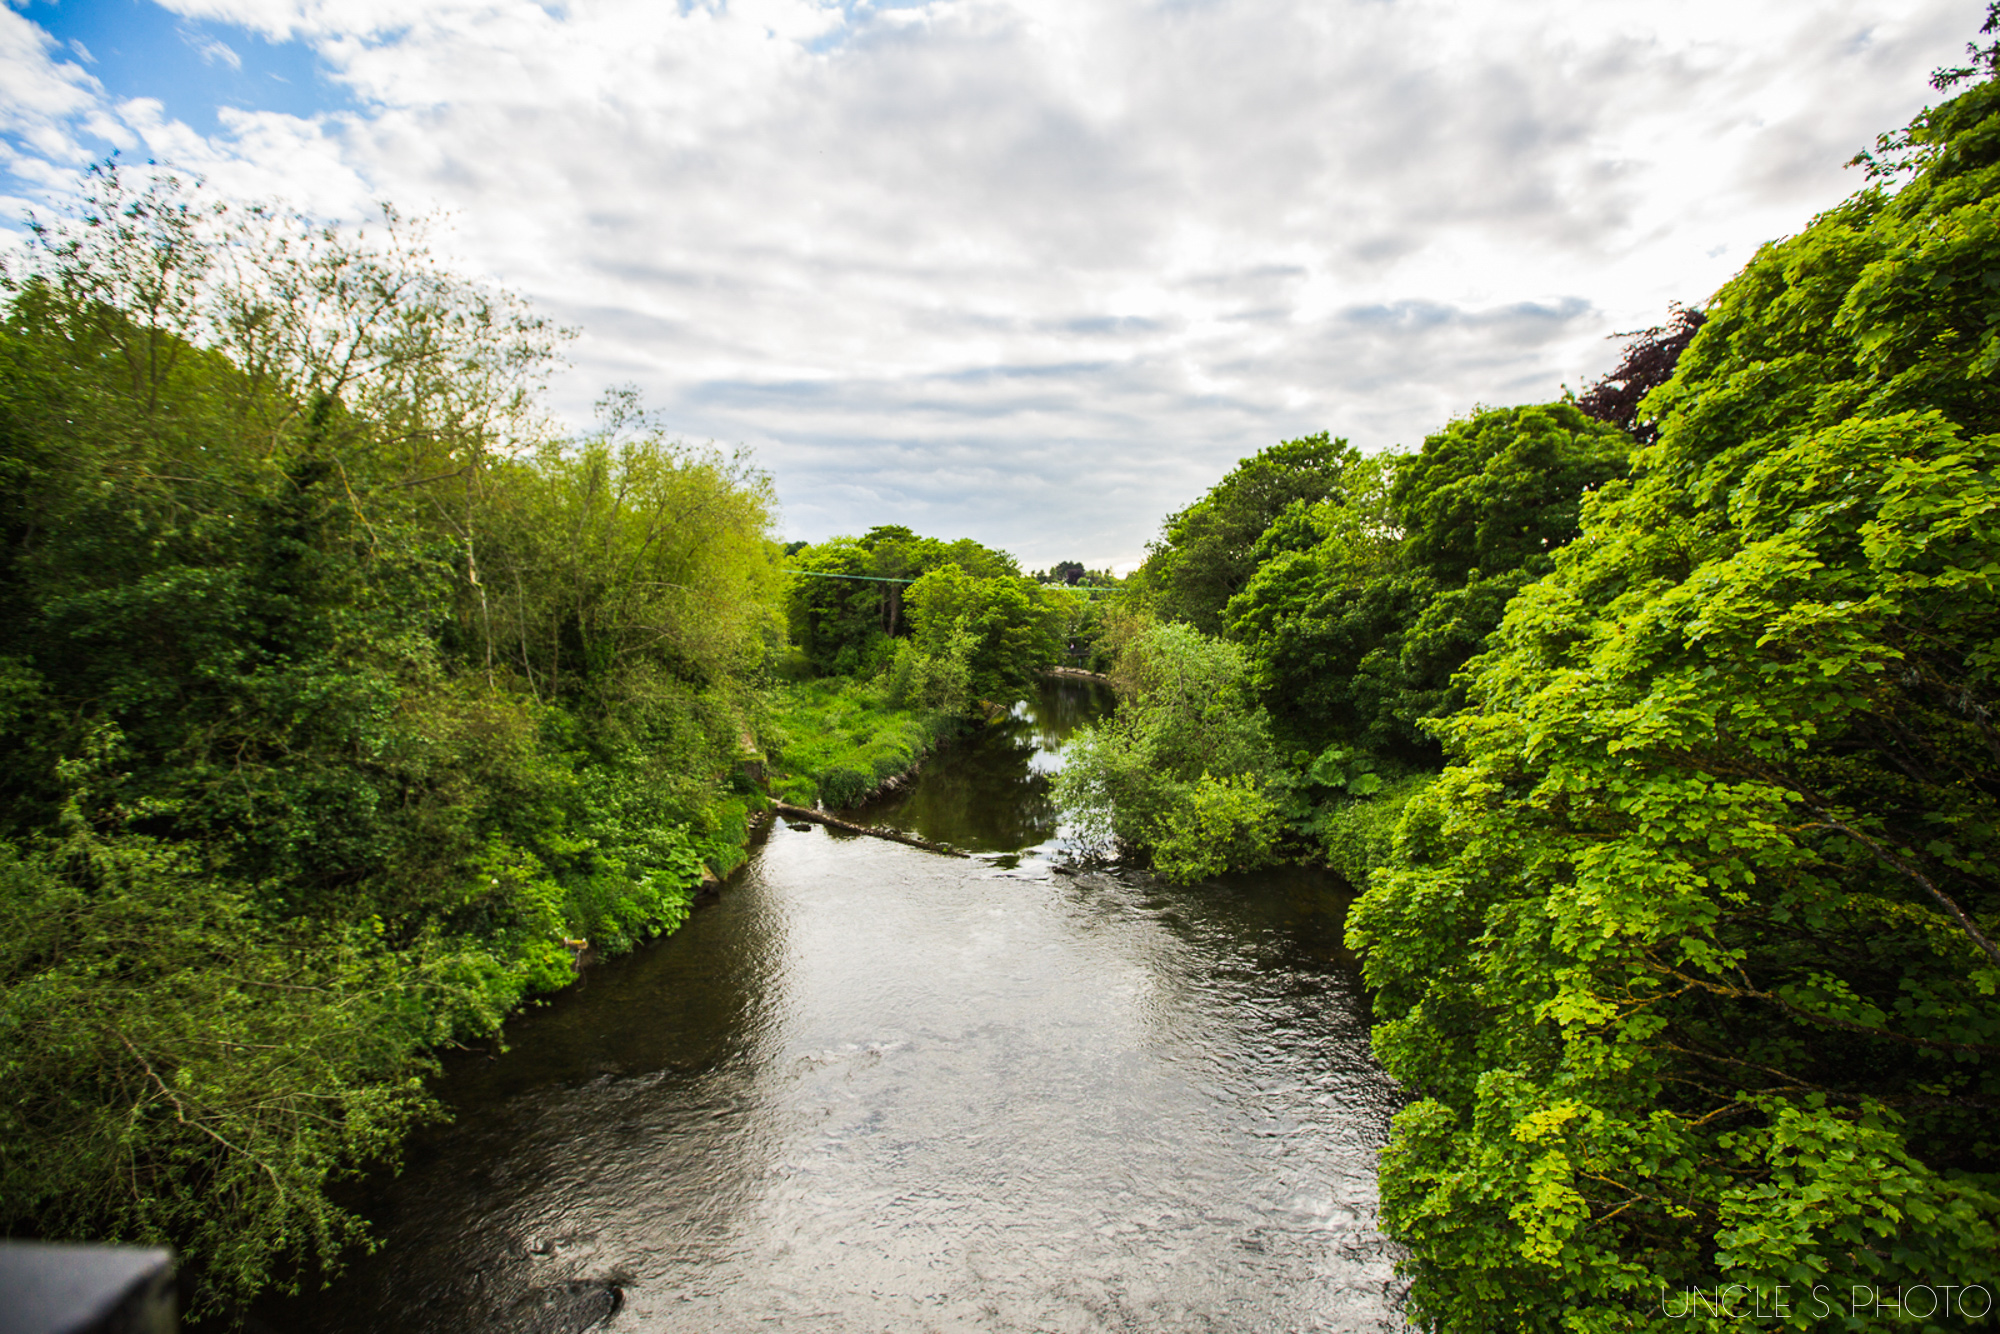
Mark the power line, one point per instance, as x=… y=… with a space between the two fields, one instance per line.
x=871 y=578
x=1091 y=589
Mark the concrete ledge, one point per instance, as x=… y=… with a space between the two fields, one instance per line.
x=59 y=1288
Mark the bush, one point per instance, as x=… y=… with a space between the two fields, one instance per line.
x=1357 y=835
x=834 y=740
x=1215 y=825
x=843 y=785
x=939 y=681
x=1145 y=777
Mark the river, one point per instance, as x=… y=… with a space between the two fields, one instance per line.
x=870 y=1087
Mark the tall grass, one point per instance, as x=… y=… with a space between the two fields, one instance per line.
x=834 y=740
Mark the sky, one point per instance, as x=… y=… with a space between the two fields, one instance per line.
x=1036 y=272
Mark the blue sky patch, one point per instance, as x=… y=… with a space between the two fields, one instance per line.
x=193 y=68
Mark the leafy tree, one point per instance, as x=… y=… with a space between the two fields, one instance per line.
x=837 y=611
x=1648 y=363
x=937 y=681
x=630 y=548
x=1215 y=825
x=848 y=602
x=178 y=1069
x=1358 y=625
x=1691 y=957
x=1065 y=572
x=1011 y=627
x=1207 y=552
x=1497 y=491
x=329 y=707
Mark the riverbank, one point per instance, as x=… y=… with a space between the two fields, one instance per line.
x=860 y=1039
x=836 y=742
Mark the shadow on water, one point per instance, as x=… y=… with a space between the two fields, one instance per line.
x=871 y=1088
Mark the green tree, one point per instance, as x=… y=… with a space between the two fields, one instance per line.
x=1691 y=957
x=1181 y=769
x=1207 y=552
x=1013 y=626
x=847 y=599
x=628 y=553
x=1358 y=631
x=837 y=611
x=329 y=707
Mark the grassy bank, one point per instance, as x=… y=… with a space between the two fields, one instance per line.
x=832 y=741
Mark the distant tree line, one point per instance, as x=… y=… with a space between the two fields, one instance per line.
x=891 y=601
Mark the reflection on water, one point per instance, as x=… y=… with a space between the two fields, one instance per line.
x=993 y=795
x=872 y=1088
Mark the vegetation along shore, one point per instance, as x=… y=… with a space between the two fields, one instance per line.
x=342 y=694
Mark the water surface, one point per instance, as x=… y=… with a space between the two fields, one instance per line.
x=874 y=1088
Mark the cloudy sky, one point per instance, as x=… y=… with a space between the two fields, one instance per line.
x=1031 y=271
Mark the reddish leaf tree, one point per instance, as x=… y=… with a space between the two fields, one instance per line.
x=1649 y=362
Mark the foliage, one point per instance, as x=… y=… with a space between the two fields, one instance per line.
x=1917 y=144
x=1360 y=609
x=1356 y=635
x=1086 y=632
x=331 y=705
x=1207 y=552
x=1182 y=768
x=1648 y=363
x=835 y=740
x=1691 y=957
x=1344 y=770
x=938 y=681
x=170 y=1066
x=1356 y=836
x=629 y=548
x=1006 y=628
x=1072 y=573
x=847 y=593
x=1217 y=825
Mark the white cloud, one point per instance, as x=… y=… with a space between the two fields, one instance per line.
x=40 y=95
x=213 y=52
x=1040 y=270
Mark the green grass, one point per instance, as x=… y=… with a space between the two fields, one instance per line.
x=833 y=740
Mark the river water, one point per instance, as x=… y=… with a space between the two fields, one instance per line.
x=874 y=1088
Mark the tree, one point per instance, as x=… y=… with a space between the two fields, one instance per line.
x=1648 y=363
x=1367 y=605
x=330 y=705
x=837 y=610
x=1012 y=626
x=628 y=548
x=1180 y=769
x=849 y=603
x=1207 y=552
x=1066 y=572
x=1691 y=957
